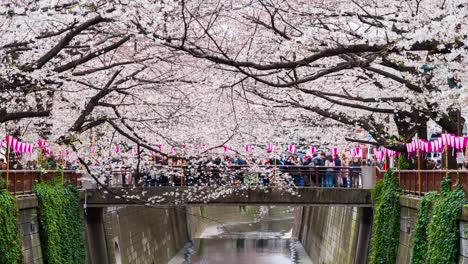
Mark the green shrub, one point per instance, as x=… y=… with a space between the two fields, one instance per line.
x=60 y=223
x=10 y=238
x=386 y=223
x=403 y=163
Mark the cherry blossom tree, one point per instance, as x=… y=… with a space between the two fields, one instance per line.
x=232 y=72
x=224 y=72
x=388 y=67
x=81 y=67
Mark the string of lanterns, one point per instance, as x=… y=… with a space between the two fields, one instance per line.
x=416 y=145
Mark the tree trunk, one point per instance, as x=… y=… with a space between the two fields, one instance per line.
x=422 y=134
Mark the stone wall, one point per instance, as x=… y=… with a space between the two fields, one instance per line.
x=336 y=234
x=29 y=229
x=409 y=212
x=136 y=234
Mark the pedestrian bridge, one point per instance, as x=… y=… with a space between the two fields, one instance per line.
x=194 y=196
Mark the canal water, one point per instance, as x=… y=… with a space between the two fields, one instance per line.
x=263 y=239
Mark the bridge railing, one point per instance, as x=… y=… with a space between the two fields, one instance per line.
x=419 y=183
x=165 y=175
x=22 y=181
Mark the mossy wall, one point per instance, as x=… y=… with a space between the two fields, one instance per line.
x=409 y=212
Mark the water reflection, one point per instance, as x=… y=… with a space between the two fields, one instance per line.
x=263 y=229
x=265 y=240
x=241 y=250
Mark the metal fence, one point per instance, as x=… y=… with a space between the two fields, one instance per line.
x=419 y=183
x=411 y=181
x=349 y=177
x=22 y=181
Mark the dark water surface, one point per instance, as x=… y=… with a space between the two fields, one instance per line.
x=267 y=240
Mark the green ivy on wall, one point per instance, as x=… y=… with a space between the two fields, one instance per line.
x=437 y=234
x=61 y=228
x=10 y=238
x=443 y=230
x=386 y=223
x=420 y=244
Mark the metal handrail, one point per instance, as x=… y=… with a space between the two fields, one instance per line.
x=423 y=181
x=22 y=181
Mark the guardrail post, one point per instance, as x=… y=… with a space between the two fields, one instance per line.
x=14 y=183
x=317 y=180
x=419 y=173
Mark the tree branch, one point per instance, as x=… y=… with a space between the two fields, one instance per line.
x=4 y=116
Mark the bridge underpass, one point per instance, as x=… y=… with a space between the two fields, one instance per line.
x=193 y=196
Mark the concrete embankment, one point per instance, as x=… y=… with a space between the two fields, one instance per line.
x=135 y=234
x=335 y=234
x=29 y=229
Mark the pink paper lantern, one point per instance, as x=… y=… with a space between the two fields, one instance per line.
x=358 y=152
x=270 y=147
x=334 y=151
x=248 y=148
x=312 y=150
x=292 y=149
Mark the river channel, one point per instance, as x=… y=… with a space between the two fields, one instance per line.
x=265 y=239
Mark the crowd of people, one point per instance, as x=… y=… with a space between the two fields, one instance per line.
x=300 y=170
x=318 y=169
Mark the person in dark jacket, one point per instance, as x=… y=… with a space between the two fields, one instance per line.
x=354 y=171
x=336 y=178
x=318 y=160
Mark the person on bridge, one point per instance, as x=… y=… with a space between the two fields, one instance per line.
x=318 y=160
x=329 y=173
x=354 y=171
x=2 y=164
x=344 y=172
x=337 y=179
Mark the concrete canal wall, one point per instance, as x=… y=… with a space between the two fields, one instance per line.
x=136 y=234
x=29 y=229
x=336 y=234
